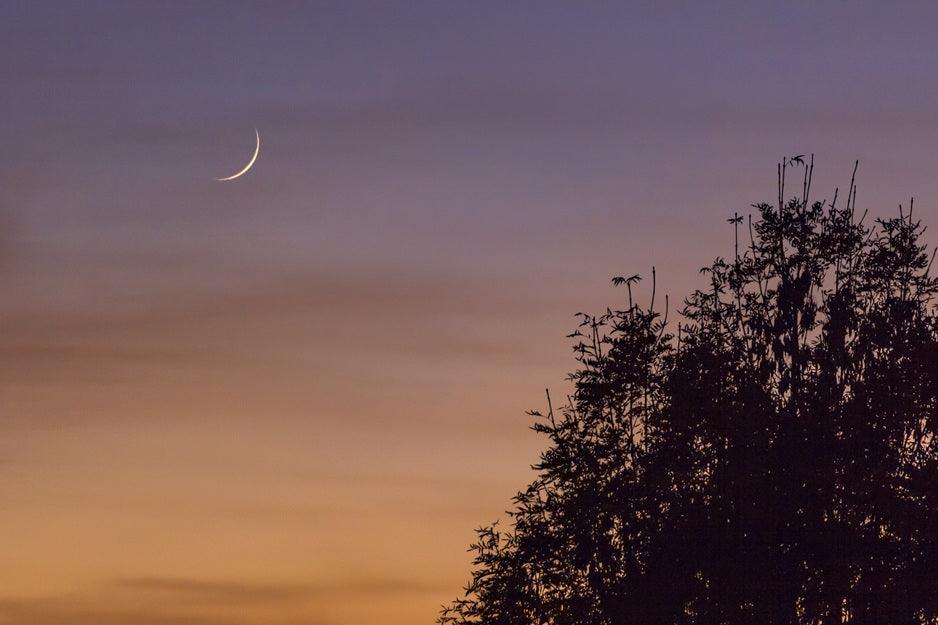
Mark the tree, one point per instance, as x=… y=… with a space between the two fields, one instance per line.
x=772 y=459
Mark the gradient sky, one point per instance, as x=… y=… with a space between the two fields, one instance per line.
x=290 y=398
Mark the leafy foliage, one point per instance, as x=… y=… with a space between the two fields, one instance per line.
x=772 y=459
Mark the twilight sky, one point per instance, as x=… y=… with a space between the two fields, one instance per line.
x=290 y=398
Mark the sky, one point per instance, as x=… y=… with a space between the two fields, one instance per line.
x=290 y=398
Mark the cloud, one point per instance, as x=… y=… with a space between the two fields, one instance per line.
x=215 y=591
x=372 y=311
x=241 y=592
x=60 y=612
x=189 y=601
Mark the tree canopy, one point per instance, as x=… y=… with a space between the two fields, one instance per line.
x=767 y=456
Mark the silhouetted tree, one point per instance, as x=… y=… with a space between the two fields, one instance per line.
x=772 y=459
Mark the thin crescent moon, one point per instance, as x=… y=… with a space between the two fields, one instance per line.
x=257 y=149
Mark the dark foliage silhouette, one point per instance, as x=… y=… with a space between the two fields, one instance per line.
x=770 y=458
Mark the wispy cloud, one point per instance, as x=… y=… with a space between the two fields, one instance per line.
x=420 y=315
x=196 y=601
x=234 y=591
x=214 y=591
x=59 y=612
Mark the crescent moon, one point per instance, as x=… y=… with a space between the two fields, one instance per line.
x=250 y=164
